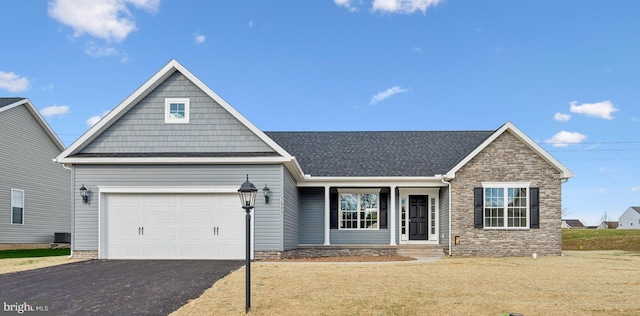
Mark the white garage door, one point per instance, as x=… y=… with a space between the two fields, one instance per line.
x=173 y=226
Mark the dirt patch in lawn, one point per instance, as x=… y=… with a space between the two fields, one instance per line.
x=579 y=283
x=345 y=259
x=22 y=264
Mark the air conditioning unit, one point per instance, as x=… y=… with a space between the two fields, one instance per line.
x=61 y=238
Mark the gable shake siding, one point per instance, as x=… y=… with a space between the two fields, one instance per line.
x=267 y=218
x=210 y=129
x=506 y=159
x=26 y=164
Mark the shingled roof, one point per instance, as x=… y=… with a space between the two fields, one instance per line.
x=381 y=154
x=8 y=101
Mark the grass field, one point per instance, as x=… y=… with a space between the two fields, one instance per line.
x=601 y=239
x=32 y=253
x=578 y=283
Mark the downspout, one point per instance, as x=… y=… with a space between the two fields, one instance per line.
x=71 y=242
x=449 y=196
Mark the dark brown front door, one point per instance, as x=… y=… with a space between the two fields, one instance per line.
x=418 y=217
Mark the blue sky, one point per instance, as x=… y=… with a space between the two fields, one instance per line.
x=564 y=72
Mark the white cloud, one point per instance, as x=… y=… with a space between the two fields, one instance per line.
x=93 y=120
x=561 y=117
x=250 y=24
x=403 y=6
x=564 y=139
x=381 y=96
x=348 y=4
x=97 y=51
x=13 y=83
x=603 y=190
x=55 y=110
x=634 y=119
x=199 y=38
x=602 y=109
x=635 y=188
x=110 y=20
x=417 y=49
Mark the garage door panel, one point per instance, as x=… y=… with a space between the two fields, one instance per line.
x=176 y=226
x=197 y=217
x=157 y=216
x=159 y=200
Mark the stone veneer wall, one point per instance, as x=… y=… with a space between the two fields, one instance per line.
x=85 y=254
x=327 y=251
x=507 y=159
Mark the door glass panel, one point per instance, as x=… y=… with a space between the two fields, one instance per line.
x=433 y=216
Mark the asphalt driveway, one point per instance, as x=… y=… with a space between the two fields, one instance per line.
x=116 y=287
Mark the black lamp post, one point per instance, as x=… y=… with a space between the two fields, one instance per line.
x=247 y=193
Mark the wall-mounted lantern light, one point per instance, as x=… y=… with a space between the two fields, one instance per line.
x=267 y=194
x=83 y=194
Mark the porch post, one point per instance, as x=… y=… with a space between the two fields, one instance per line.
x=392 y=212
x=327 y=216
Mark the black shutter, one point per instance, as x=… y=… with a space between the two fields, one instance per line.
x=477 y=207
x=534 y=207
x=384 y=207
x=333 y=207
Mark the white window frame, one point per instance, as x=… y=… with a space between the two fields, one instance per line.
x=167 y=110
x=505 y=186
x=359 y=192
x=12 y=206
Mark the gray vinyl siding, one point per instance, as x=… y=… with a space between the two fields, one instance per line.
x=312 y=216
x=26 y=164
x=210 y=129
x=267 y=218
x=444 y=216
x=359 y=237
x=291 y=212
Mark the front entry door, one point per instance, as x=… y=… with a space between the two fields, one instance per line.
x=418 y=217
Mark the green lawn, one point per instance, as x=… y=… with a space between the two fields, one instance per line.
x=31 y=253
x=601 y=239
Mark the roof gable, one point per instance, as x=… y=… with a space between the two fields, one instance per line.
x=9 y=103
x=111 y=123
x=565 y=172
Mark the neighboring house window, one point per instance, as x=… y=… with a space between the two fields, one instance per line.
x=17 y=206
x=176 y=110
x=358 y=210
x=505 y=205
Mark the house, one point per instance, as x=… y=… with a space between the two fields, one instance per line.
x=572 y=223
x=162 y=170
x=630 y=219
x=608 y=225
x=35 y=192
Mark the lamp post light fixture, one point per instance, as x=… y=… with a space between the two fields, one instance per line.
x=247 y=193
x=83 y=194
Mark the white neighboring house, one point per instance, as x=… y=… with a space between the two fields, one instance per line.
x=630 y=219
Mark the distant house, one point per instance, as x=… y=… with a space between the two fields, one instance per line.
x=35 y=192
x=630 y=219
x=572 y=223
x=608 y=225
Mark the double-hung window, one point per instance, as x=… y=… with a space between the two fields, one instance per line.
x=506 y=205
x=176 y=110
x=359 y=209
x=17 y=206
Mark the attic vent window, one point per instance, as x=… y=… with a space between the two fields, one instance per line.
x=176 y=110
